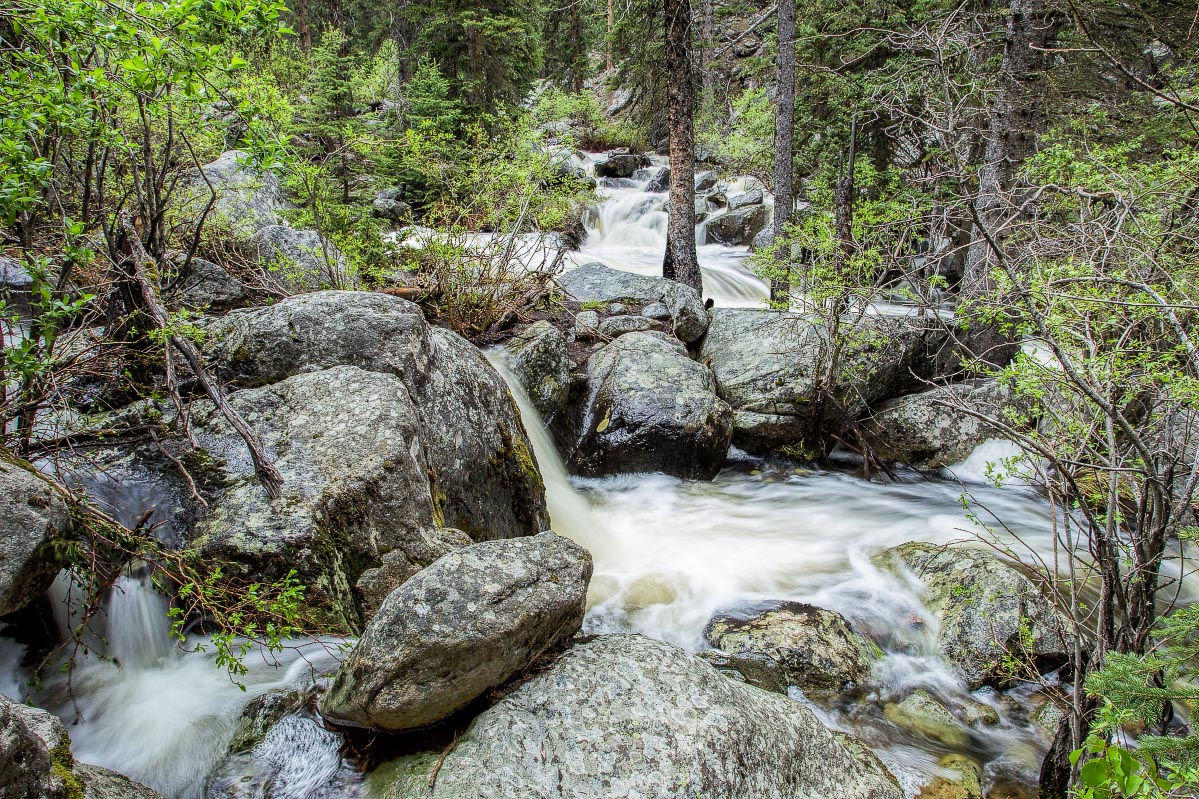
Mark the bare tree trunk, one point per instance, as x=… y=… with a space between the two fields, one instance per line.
x=611 y=24
x=1016 y=117
x=784 y=135
x=680 y=262
x=304 y=25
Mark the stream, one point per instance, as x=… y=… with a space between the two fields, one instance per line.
x=668 y=554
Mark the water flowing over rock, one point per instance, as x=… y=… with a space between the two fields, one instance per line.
x=539 y=360
x=768 y=365
x=929 y=430
x=660 y=181
x=470 y=622
x=991 y=614
x=595 y=282
x=650 y=408
x=623 y=715
x=922 y=714
x=809 y=647
x=247 y=198
x=32 y=516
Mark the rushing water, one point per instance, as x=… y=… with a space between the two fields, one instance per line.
x=668 y=554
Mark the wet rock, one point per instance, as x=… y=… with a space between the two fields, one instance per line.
x=810 y=647
x=33 y=515
x=623 y=715
x=204 y=285
x=991 y=614
x=928 y=430
x=737 y=227
x=260 y=714
x=615 y=326
x=744 y=199
x=470 y=622
x=768 y=365
x=660 y=181
x=650 y=408
x=963 y=781
x=705 y=180
x=595 y=282
x=761 y=241
x=975 y=713
x=1048 y=713
x=401 y=564
x=36 y=761
x=539 y=360
x=758 y=669
x=295 y=757
x=617 y=164
x=922 y=714
x=301 y=260
x=248 y=198
x=486 y=481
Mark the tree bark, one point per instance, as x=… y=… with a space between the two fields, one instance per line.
x=680 y=262
x=784 y=135
x=608 y=40
x=1016 y=116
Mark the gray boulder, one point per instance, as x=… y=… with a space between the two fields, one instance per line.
x=247 y=198
x=650 y=408
x=470 y=622
x=744 y=199
x=615 y=326
x=32 y=517
x=538 y=358
x=929 y=430
x=36 y=761
x=204 y=285
x=595 y=282
x=618 y=164
x=705 y=181
x=768 y=365
x=296 y=261
x=586 y=324
x=656 y=311
x=486 y=480
x=991 y=615
x=737 y=227
x=761 y=241
x=623 y=715
x=402 y=563
x=810 y=647
x=389 y=205
x=660 y=181
x=920 y=712
x=621 y=98
x=14 y=275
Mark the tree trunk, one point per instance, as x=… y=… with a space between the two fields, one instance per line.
x=784 y=135
x=304 y=25
x=1014 y=121
x=608 y=39
x=679 y=262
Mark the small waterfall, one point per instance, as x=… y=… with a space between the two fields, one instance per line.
x=138 y=630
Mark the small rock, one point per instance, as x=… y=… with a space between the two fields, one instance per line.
x=745 y=199
x=14 y=275
x=737 y=227
x=922 y=714
x=656 y=311
x=617 y=308
x=615 y=326
x=586 y=324
x=619 y=164
x=812 y=648
x=965 y=782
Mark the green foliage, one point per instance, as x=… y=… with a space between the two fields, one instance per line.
x=1113 y=772
x=431 y=107
x=588 y=127
x=745 y=145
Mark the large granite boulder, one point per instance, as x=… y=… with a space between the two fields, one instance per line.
x=245 y=198
x=404 y=562
x=470 y=622
x=485 y=480
x=296 y=261
x=538 y=358
x=595 y=282
x=205 y=286
x=929 y=430
x=33 y=515
x=649 y=408
x=623 y=715
x=808 y=647
x=619 y=164
x=768 y=365
x=995 y=623
x=36 y=761
x=737 y=227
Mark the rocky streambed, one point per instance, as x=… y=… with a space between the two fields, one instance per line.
x=608 y=576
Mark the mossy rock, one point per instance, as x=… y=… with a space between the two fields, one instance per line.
x=924 y=715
